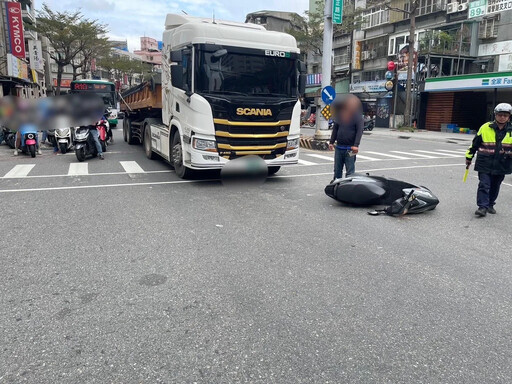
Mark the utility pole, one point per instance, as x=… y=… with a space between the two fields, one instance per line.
x=322 y=125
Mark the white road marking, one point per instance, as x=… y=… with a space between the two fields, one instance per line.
x=320 y=156
x=131 y=167
x=437 y=153
x=388 y=155
x=359 y=157
x=414 y=154
x=20 y=170
x=209 y=180
x=460 y=151
x=90 y=174
x=76 y=169
x=305 y=162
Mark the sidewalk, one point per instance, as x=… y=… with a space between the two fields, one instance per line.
x=456 y=138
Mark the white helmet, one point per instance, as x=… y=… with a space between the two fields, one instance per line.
x=503 y=107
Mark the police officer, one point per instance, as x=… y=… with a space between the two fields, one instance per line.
x=493 y=143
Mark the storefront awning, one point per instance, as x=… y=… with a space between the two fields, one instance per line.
x=16 y=80
x=471 y=82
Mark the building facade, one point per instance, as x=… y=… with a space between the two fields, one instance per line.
x=150 y=52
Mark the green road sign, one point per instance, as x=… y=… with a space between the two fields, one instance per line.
x=337 y=11
x=477 y=8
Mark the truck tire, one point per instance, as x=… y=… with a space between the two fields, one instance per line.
x=129 y=135
x=147 y=143
x=177 y=158
x=125 y=129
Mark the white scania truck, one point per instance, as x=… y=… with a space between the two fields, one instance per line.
x=226 y=90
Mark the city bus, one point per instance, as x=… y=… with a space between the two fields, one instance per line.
x=105 y=89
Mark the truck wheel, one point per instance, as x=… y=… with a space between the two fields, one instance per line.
x=147 y=143
x=273 y=170
x=129 y=136
x=177 y=158
x=125 y=129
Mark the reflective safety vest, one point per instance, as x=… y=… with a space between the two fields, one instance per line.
x=494 y=149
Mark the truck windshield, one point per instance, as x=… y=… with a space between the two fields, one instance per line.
x=246 y=74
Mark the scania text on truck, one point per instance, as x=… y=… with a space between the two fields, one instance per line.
x=226 y=90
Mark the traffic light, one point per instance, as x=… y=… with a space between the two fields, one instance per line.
x=391 y=76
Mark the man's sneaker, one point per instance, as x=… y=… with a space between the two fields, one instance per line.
x=102 y=157
x=16 y=152
x=39 y=152
x=481 y=212
x=491 y=210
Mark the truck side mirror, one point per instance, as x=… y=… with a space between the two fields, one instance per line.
x=176 y=56
x=302 y=67
x=177 y=76
x=302 y=84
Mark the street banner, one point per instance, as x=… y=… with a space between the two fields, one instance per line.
x=337 y=11
x=16 y=67
x=15 y=27
x=35 y=55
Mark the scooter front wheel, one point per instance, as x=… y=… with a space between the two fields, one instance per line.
x=63 y=148
x=80 y=154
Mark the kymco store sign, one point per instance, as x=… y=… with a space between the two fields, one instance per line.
x=15 y=24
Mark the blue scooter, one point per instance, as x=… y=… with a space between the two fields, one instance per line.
x=29 y=139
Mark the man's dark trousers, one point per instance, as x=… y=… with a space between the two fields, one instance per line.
x=488 y=189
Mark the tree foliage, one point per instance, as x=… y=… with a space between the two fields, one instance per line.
x=73 y=39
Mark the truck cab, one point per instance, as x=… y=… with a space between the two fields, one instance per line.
x=227 y=90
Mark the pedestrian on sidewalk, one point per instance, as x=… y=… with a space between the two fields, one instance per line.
x=493 y=143
x=346 y=133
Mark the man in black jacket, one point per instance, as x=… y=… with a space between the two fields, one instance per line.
x=493 y=143
x=347 y=132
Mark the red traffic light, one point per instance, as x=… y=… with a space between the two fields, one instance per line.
x=391 y=65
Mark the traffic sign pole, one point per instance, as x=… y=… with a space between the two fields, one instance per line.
x=322 y=125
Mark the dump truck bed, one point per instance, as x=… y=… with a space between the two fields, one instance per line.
x=147 y=95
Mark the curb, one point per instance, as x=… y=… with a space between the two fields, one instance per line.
x=311 y=143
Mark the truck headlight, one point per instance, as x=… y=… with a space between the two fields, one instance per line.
x=293 y=144
x=204 y=145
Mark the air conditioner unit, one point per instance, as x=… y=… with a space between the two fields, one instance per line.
x=452 y=7
x=365 y=55
x=462 y=7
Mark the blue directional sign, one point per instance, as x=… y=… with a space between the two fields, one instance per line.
x=328 y=95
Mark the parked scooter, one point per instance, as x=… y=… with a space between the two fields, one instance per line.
x=369 y=124
x=29 y=140
x=84 y=143
x=103 y=128
x=9 y=137
x=64 y=139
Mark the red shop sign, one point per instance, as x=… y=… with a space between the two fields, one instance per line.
x=15 y=25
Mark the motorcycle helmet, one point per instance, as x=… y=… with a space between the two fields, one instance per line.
x=503 y=107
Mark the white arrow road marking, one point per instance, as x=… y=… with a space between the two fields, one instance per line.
x=20 y=170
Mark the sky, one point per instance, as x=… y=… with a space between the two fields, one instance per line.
x=131 y=19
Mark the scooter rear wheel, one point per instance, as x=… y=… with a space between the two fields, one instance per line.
x=32 y=150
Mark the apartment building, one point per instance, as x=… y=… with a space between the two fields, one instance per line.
x=463 y=60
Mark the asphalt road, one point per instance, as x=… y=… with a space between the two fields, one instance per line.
x=117 y=276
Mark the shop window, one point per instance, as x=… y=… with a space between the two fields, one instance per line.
x=488 y=28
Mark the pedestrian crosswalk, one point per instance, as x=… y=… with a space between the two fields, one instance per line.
x=133 y=168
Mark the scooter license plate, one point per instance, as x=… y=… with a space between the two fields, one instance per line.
x=63 y=141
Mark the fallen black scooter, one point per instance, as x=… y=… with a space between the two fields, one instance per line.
x=400 y=197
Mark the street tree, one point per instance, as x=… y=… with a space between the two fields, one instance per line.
x=92 y=42
x=60 y=30
x=411 y=12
